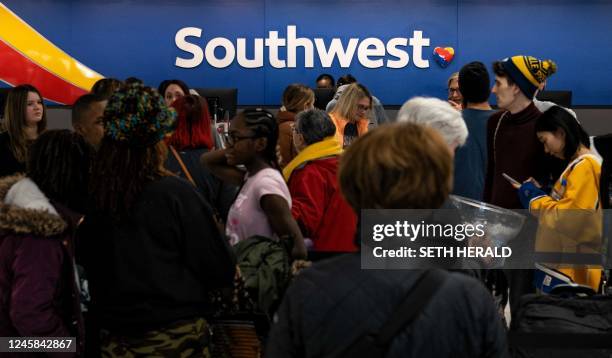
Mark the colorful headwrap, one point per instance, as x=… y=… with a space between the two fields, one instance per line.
x=138 y=115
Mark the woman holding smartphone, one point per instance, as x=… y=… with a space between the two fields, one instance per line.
x=570 y=216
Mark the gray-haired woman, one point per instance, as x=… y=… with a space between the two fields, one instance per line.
x=437 y=114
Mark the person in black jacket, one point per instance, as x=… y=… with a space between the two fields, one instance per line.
x=331 y=306
x=190 y=140
x=149 y=245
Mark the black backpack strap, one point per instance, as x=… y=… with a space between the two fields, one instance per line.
x=418 y=298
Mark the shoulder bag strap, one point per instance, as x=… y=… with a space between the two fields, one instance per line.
x=417 y=300
x=183 y=167
x=409 y=310
x=216 y=217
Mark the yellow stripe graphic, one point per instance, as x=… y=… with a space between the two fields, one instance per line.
x=38 y=49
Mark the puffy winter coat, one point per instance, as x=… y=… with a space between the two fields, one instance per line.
x=38 y=290
x=332 y=304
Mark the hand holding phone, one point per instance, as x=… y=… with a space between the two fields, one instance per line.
x=515 y=183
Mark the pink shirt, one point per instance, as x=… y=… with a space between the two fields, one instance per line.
x=245 y=217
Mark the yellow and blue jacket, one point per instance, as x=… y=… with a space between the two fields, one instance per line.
x=570 y=218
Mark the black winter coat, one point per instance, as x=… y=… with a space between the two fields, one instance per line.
x=335 y=302
x=8 y=164
x=157 y=266
x=219 y=194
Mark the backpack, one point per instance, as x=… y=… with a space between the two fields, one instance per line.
x=562 y=325
x=265 y=267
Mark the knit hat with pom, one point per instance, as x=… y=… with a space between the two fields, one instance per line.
x=528 y=72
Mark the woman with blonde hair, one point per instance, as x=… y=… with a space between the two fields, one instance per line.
x=25 y=118
x=296 y=98
x=350 y=115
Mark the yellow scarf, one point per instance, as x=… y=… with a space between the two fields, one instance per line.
x=325 y=148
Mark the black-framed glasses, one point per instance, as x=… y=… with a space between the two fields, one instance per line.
x=232 y=138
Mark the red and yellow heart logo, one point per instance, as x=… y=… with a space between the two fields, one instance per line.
x=444 y=55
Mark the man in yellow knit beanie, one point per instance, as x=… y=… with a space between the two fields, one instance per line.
x=512 y=130
x=528 y=72
x=513 y=148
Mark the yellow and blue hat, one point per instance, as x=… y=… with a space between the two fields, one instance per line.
x=528 y=72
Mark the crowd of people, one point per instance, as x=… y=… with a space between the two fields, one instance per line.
x=121 y=233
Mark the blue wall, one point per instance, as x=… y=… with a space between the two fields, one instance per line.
x=120 y=38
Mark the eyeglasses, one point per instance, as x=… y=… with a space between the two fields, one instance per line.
x=453 y=90
x=232 y=138
x=361 y=107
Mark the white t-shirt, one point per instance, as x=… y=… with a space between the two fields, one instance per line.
x=245 y=217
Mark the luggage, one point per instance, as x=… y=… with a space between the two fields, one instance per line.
x=546 y=278
x=562 y=325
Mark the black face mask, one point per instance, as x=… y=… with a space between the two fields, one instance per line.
x=350 y=134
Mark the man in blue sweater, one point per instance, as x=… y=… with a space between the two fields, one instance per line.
x=471 y=159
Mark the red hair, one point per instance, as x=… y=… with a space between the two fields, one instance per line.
x=193 y=126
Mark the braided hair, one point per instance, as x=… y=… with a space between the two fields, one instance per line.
x=263 y=124
x=120 y=173
x=132 y=153
x=59 y=163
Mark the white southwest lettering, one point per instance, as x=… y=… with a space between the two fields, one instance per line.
x=230 y=52
x=418 y=42
x=371 y=52
x=401 y=55
x=195 y=50
x=258 y=56
x=364 y=52
x=345 y=57
x=293 y=43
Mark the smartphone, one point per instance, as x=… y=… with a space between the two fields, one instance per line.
x=511 y=179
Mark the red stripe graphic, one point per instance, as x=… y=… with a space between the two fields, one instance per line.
x=16 y=69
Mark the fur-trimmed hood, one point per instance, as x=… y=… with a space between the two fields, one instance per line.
x=24 y=208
